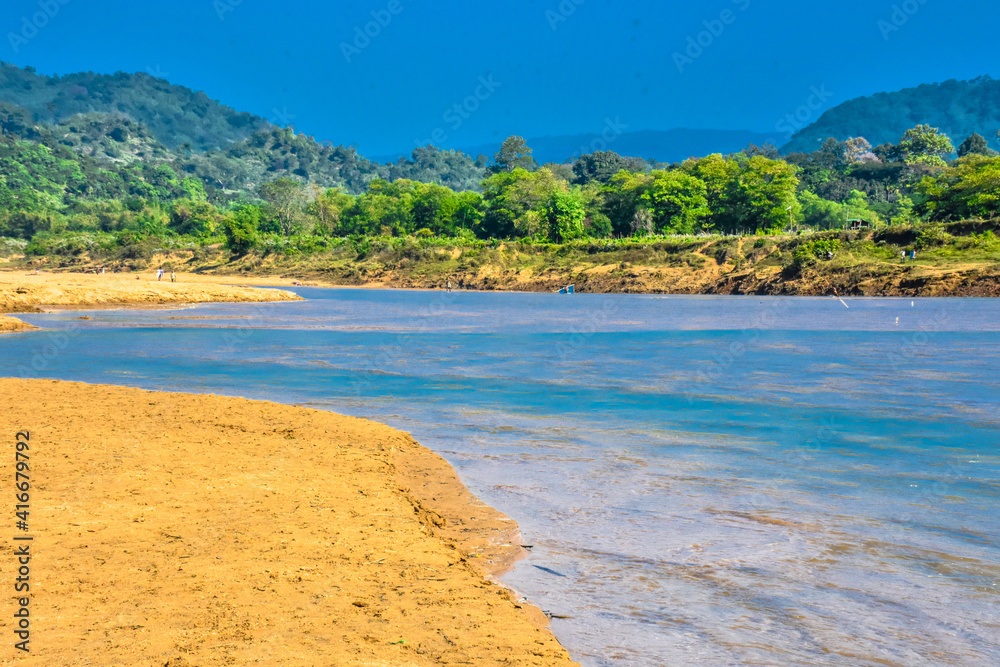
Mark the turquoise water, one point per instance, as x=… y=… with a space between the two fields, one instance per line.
x=724 y=481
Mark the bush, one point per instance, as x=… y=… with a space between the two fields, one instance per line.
x=813 y=250
x=932 y=236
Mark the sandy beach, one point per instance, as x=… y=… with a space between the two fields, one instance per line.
x=23 y=292
x=182 y=530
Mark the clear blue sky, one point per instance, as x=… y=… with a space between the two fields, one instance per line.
x=285 y=60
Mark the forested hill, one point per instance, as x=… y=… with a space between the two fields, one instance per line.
x=175 y=115
x=957 y=108
x=121 y=129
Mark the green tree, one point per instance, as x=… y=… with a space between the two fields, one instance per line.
x=624 y=200
x=970 y=188
x=328 y=208
x=241 y=230
x=515 y=203
x=599 y=166
x=565 y=215
x=924 y=144
x=679 y=202
x=286 y=197
x=514 y=154
x=765 y=190
x=721 y=178
x=975 y=145
x=194 y=189
x=197 y=218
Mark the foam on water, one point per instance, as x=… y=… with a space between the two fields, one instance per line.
x=704 y=480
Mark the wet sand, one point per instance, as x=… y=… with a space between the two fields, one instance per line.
x=23 y=292
x=183 y=530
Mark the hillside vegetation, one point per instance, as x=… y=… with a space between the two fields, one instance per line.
x=102 y=189
x=958 y=108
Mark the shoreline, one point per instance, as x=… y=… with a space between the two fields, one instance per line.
x=887 y=281
x=27 y=292
x=198 y=529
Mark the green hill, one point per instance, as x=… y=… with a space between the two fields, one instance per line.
x=957 y=108
x=175 y=115
x=115 y=121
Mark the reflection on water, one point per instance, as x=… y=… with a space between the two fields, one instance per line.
x=704 y=480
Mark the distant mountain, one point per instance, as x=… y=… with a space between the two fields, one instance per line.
x=175 y=115
x=654 y=145
x=957 y=108
x=120 y=120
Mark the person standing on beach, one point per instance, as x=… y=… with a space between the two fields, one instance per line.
x=449 y=285
x=159 y=274
x=173 y=277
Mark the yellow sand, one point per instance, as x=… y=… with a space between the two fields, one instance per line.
x=181 y=530
x=25 y=291
x=13 y=325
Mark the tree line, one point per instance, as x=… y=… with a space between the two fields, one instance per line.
x=601 y=195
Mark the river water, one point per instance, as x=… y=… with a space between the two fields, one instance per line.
x=704 y=480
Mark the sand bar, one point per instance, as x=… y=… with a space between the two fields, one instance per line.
x=22 y=292
x=183 y=530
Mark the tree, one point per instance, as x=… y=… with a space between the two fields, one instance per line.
x=679 y=202
x=515 y=202
x=599 y=166
x=514 y=154
x=624 y=198
x=241 y=230
x=565 y=215
x=970 y=188
x=768 y=150
x=975 y=145
x=924 y=144
x=286 y=196
x=857 y=149
x=328 y=207
x=193 y=217
x=831 y=155
x=765 y=190
x=721 y=178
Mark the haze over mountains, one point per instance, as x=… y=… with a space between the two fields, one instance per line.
x=120 y=119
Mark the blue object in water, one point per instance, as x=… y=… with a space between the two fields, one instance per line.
x=572 y=289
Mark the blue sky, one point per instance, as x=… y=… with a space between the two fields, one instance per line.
x=529 y=67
